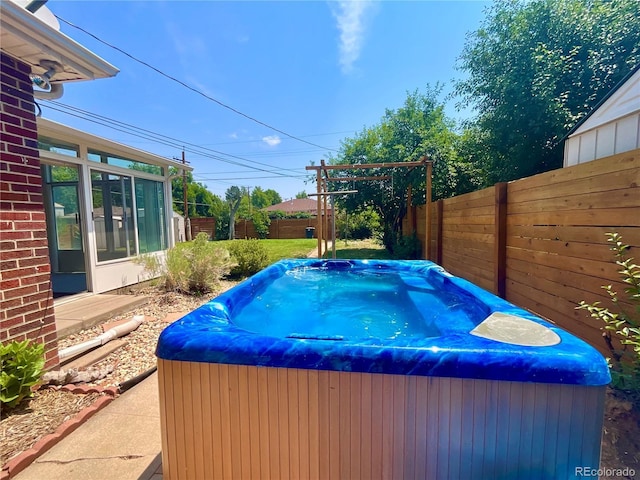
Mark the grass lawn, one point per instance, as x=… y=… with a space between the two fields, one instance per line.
x=300 y=247
x=360 y=249
x=279 y=249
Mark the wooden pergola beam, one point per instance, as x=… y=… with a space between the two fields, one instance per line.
x=337 y=192
x=357 y=179
x=366 y=166
x=323 y=168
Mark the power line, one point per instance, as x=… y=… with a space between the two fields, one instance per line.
x=234 y=110
x=301 y=136
x=162 y=139
x=199 y=177
x=287 y=153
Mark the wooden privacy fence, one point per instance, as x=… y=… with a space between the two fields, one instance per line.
x=540 y=242
x=279 y=228
x=203 y=224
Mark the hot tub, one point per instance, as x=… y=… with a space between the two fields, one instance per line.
x=374 y=369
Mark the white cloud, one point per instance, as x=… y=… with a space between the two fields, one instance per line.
x=271 y=140
x=233 y=135
x=186 y=43
x=350 y=16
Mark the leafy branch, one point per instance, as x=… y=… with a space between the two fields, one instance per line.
x=621 y=322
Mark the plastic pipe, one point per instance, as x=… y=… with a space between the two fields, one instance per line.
x=107 y=336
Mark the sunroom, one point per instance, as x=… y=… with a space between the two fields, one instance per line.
x=105 y=204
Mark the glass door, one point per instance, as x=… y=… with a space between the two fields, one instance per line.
x=64 y=229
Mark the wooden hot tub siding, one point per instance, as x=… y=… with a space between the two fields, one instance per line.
x=245 y=422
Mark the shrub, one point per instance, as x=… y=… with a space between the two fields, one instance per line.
x=261 y=222
x=358 y=225
x=623 y=323
x=21 y=367
x=279 y=214
x=191 y=267
x=407 y=247
x=251 y=257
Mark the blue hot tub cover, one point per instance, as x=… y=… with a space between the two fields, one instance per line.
x=208 y=334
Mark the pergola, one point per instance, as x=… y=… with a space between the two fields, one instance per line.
x=322 y=193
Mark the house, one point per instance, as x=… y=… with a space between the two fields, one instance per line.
x=75 y=209
x=298 y=205
x=117 y=205
x=613 y=126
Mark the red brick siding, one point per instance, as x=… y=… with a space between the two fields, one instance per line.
x=26 y=310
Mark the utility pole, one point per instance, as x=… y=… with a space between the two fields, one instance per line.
x=187 y=221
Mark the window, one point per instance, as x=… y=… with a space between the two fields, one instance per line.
x=150 y=215
x=112 y=203
x=58 y=146
x=110 y=159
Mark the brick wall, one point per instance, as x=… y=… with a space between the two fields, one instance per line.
x=25 y=288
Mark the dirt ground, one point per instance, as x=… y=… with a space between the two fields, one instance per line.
x=621 y=436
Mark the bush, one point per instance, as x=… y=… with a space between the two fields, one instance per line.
x=407 y=247
x=21 y=367
x=261 y=222
x=279 y=215
x=251 y=257
x=191 y=267
x=623 y=323
x=359 y=225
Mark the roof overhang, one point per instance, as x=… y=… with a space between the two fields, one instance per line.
x=28 y=38
x=58 y=131
x=621 y=100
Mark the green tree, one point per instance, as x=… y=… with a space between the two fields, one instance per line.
x=535 y=68
x=261 y=222
x=273 y=196
x=177 y=189
x=234 y=196
x=246 y=208
x=302 y=194
x=222 y=221
x=202 y=202
x=259 y=198
x=418 y=128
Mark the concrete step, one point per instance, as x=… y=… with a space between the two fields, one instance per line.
x=86 y=312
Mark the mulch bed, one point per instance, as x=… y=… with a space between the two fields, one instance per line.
x=33 y=419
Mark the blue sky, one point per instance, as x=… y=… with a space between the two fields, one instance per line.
x=320 y=71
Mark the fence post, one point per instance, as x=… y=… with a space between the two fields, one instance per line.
x=439 y=213
x=427 y=249
x=500 y=240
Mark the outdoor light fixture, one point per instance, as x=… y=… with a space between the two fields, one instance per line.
x=43 y=80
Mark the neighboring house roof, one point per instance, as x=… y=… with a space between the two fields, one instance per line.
x=622 y=100
x=297 y=205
